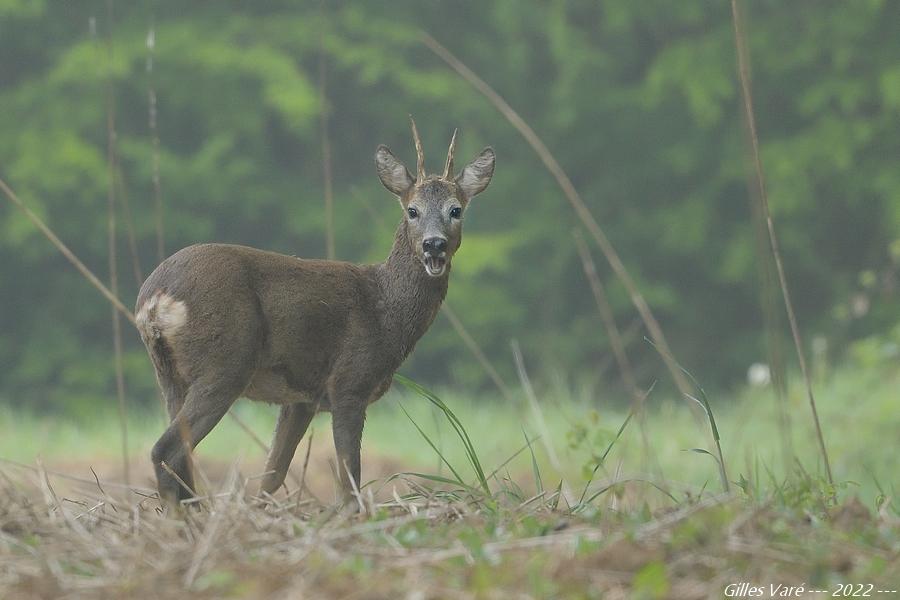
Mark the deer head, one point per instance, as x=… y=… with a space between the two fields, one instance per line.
x=434 y=205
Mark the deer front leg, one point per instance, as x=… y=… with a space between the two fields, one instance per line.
x=293 y=420
x=348 y=414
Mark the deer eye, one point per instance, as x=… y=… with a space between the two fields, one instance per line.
x=455 y=212
x=412 y=212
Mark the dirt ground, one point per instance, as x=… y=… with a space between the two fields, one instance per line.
x=315 y=471
x=65 y=534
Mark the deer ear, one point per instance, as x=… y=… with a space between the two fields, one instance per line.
x=393 y=175
x=476 y=176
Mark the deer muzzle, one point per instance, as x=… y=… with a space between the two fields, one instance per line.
x=434 y=253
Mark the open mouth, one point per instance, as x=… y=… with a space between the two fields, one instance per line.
x=435 y=265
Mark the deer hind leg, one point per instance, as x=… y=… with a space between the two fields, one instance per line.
x=171 y=384
x=228 y=369
x=174 y=398
x=224 y=370
x=211 y=357
x=204 y=406
x=173 y=392
x=293 y=420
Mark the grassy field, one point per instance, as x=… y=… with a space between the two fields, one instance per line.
x=652 y=522
x=858 y=411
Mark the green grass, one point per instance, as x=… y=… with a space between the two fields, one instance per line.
x=485 y=513
x=858 y=412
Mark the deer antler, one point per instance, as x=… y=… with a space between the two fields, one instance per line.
x=420 y=154
x=448 y=168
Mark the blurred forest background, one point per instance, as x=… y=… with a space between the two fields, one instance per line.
x=637 y=100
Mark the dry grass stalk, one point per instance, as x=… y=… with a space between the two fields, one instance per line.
x=575 y=200
x=91 y=546
x=326 y=144
x=546 y=438
x=743 y=72
x=628 y=337
x=180 y=481
x=250 y=433
x=772 y=324
x=111 y=240
x=609 y=321
x=618 y=346
x=93 y=280
x=476 y=351
x=136 y=269
x=152 y=118
x=211 y=531
x=65 y=251
x=302 y=483
x=80 y=480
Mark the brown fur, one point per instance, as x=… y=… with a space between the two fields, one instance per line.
x=221 y=321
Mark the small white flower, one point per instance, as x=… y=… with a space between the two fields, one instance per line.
x=759 y=375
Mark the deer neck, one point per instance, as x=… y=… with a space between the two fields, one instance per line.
x=410 y=298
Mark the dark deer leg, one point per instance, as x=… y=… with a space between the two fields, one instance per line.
x=347 y=419
x=204 y=406
x=170 y=383
x=293 y=420
x=174 y=398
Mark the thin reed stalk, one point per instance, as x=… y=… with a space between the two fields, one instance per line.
x=250 y=433
x=568 y=188
x=213 y=527
x=117 y=346
x=609 y=320
x=546 y=438
x=177 y=478
x=111 y=239
x=326 y=143
x=136 y=269
x=772 y=324
x=80 y=480
x=619 y=352
x=743 y=73
x=98 y=285
x=65 y=251
x=628 y=336
x=301 y=485
x=152 y=117
x=476 y=351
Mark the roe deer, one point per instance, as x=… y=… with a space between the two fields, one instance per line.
x=222 y=321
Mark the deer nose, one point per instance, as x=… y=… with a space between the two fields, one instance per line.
x=434 y=245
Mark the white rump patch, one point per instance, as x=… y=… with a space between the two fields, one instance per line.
x=161 y=316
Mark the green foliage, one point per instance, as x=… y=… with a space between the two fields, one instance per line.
x=651 y=582
x=458 y=428
x=637 y=100
x=862 y=462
